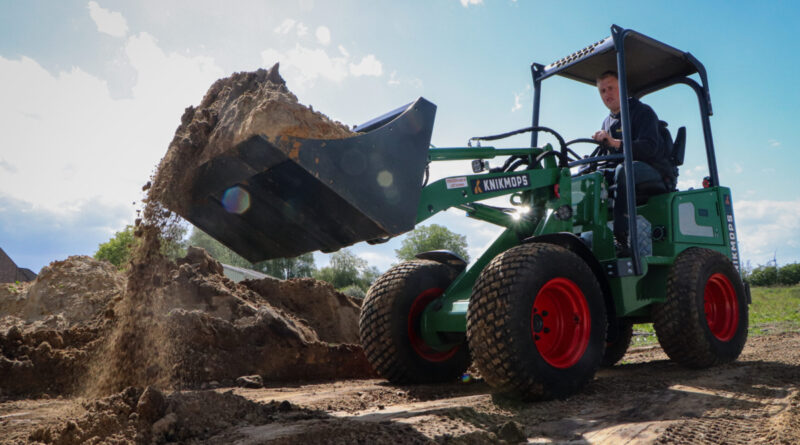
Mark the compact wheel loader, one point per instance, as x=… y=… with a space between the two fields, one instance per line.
x=550 y=301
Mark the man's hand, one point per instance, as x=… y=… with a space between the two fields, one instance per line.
x=606 y=139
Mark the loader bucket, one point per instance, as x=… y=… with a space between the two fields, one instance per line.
x=281 y=199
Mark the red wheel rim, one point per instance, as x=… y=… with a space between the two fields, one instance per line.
x=560 y=323
x=721 y=307
x=414 y=315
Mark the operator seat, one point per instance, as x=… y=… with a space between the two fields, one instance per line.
x=644 y=190
x=678 y=152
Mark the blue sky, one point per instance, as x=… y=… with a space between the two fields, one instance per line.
x=92 y=92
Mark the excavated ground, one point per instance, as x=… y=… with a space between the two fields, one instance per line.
x=647 y=399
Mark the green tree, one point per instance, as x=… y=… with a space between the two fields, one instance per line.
x=346 y=270
x=283 y=268
x=117 y=250
x=764 y=276
x=216 y=249
x=789 y=274
x=173 y=241
x=432 y=237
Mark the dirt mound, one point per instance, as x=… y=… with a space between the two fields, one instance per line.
x=333 y=315
x=234 y=109
x=185 y=325
x=148 y=416
x=77 y=288
x=51 y=327
x=83 y=326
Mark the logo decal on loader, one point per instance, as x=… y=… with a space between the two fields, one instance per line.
x=498 y=184
x=731 y=228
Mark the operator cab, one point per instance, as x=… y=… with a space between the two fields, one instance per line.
x=643 y=65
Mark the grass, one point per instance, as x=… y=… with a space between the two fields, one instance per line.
x=774 y=310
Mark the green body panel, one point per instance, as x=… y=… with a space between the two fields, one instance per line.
x=560 y=203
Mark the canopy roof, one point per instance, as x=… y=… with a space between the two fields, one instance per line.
x=651 y=65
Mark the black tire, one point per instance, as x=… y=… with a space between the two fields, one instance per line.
x=389 y=325
x=616 y=348
x=703 y=321
x=517 y=349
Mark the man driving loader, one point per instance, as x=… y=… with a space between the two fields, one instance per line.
x=651 y=152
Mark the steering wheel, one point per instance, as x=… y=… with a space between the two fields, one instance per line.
x=602 y=156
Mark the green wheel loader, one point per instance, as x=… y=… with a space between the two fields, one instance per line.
x=549 y=301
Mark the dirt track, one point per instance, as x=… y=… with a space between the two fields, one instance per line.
x=645 y=400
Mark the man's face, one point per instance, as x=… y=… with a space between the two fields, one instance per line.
x=609 y=92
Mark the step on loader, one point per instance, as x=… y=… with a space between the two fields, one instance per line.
x=551 y=300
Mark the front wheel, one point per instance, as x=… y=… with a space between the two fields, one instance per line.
x=536 y=322
x=389 y=325
x=703 y=321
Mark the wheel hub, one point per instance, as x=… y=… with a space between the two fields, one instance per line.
x=721 y=307
x=538 y=323
x=415 y=338
x=560 y=323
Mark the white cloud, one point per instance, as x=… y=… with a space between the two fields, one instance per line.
x=774 y=143
x=691 y=177
x=7 y=166
x=323 y=35
x=72 y=141
x=376 y=257
x=301 y=30
x=737 y=168
x=34 y=236
x=466 y=3
x=285 y=27
x=767 y=228
x=393 y=79
x=518 y=98
x=517 y=104
x=111 y=23
x=303 y=66
x=369 y=66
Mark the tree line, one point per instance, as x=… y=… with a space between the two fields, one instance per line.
x=346 y=271
x=772 y=275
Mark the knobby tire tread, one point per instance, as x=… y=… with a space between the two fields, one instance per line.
x=680 y=322
x=389 y=354
x=491 y=317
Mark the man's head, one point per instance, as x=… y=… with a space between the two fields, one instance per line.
x=608 y=86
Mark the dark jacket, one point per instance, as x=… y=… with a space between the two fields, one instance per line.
x=648 y=143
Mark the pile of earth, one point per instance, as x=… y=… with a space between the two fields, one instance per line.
x=84 y=327
x=233 y=110
x=144 y=416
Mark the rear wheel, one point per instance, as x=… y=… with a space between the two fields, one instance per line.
x=703 y=321
x=536 y=322
x=389 y=325
x=618 y=346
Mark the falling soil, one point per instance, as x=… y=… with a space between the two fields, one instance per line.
x=184 y=325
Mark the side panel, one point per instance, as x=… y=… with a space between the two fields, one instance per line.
x=679 y=221
x=696 y=218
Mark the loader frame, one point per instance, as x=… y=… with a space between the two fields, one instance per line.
x=683 y=219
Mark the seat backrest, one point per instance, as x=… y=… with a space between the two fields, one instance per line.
x=679 y=147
